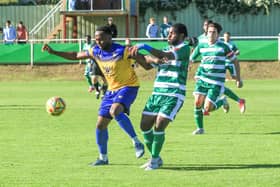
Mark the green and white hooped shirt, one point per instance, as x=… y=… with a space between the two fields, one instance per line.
x=172 y=76
x=212 y=67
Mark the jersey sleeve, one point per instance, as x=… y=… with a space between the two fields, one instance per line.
x=184 y=53
x=229 y=52
x=195 y=53
x=234 y=47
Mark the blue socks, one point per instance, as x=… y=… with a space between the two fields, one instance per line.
x=102 y=140
x=125 y=124
x=102 y=135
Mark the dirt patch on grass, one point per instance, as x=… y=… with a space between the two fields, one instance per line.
x=249 y=70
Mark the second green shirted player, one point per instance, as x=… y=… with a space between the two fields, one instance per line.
x=211 y=75
x=169 y=91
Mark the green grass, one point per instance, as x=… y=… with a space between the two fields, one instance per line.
x=41 y=150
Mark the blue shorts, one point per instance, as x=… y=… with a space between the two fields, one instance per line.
x=125 y=96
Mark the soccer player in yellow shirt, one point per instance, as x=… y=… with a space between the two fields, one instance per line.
x=115 y=64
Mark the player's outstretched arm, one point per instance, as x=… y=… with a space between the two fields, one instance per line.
x=139 y=58
x=239 y=82
x=66 y=55
x=155 y=52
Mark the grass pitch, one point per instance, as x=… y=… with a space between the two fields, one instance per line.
x=37 y=149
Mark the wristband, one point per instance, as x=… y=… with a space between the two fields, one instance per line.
x=144 y=47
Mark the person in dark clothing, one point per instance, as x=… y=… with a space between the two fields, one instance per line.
x=113 y=27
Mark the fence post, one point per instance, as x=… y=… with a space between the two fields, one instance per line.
x=122 y=5
x=31 y=53
x=279 y=47
x=80 y=48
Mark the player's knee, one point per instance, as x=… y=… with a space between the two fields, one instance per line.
x=197 y=103
x=159 y=128
x=144 y=127
x=116 y=109
x=207 y=109
x=114 y=112
x=102 y=123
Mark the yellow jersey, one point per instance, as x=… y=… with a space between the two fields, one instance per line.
x=116 y=66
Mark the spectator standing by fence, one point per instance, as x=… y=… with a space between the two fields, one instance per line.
x=164 y=27
x=9 y=33
x=152 y=30
x=113 y=27
x=22 y=34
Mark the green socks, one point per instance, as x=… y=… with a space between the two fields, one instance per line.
x=154 y=141
x=88 y=78
x=96 y=86
x=231 y=94
x=219 y=103
x=159 y=138
x=198 y=116
x=148 y=139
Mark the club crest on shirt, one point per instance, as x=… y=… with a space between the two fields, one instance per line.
x=107 y=69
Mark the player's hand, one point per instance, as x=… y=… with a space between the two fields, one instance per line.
x=163 y=60
x=239 y=84
x=133 y=51
x=47 y=48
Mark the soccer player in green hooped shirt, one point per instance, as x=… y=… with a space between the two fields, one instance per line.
x=211 y=75
x=169 y=89
x=93 y=72
x=203 y=37
x=229 y=65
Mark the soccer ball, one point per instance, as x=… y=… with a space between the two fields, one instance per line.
x=55 y=106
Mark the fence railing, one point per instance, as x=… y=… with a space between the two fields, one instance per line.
x=49 y=19
x=279 y=47
x=252 y=49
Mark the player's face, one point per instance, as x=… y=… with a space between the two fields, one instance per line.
x=88 y=39
x=173 y=37
x=212 y=34
x=226 y=37
x=103 y=40
x=165 y=20
x=205 y=25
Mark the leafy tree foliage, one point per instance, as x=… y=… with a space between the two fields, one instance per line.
x=231 y=8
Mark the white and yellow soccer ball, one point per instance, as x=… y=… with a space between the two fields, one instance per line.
x=55 y=106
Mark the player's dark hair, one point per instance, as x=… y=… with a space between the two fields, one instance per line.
x=228 y=33
x=215 y=25
x=181 y=29
x=88 y=36
x=106 y=29
x=208 y=21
